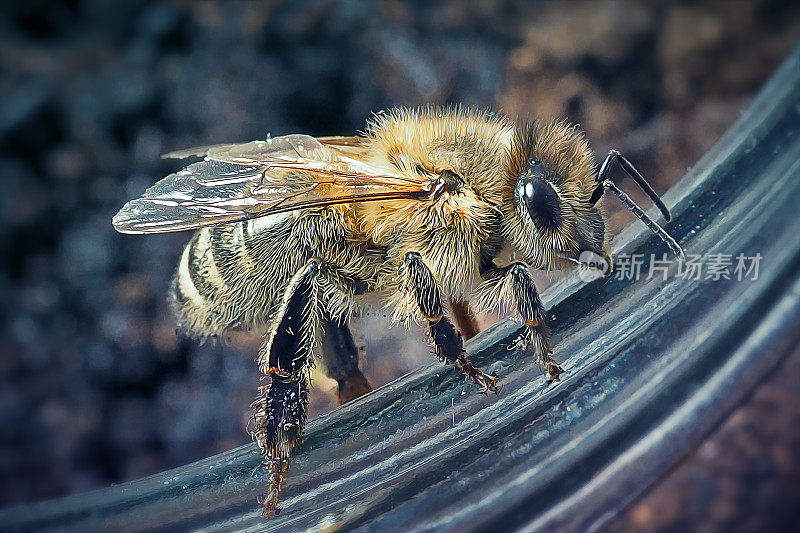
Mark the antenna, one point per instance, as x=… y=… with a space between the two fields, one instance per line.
x=649 y=222
x=604 y=184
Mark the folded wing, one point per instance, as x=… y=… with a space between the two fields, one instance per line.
x=244 y=181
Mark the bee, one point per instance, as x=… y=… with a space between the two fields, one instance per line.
x=294 y=234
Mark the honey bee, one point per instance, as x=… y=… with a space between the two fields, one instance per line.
x=294 y=233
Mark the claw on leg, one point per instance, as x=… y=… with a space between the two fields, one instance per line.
x=486 y=382
x=449 y=347
x=554 y=371
x=537 y=339
x=269 y=502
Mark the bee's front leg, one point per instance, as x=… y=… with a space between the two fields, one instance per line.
x=285 y=357
x=536 y=335
x=531 y=311
x=447 y=342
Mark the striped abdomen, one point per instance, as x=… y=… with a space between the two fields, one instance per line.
x=230 y=276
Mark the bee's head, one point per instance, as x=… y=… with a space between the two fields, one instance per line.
x=551 y=178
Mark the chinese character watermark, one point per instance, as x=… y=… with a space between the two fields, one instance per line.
x=747 y=267
x=712 y=267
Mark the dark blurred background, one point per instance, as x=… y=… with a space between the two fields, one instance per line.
x=96 y=388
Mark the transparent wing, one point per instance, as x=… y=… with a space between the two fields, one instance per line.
x=244 y=181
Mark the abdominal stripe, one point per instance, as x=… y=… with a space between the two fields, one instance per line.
x=186 y=288
x=203 y=270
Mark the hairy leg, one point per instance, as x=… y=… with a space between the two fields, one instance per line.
x=285 y=358
x=446 y=340
x=536 y=335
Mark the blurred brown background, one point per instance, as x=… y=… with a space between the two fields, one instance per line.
x=96 y=388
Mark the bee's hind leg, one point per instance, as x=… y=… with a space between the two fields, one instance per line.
x=445 y=338
x=340 y=356
x=286 y=357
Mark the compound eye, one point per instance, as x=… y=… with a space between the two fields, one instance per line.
x=541 y=200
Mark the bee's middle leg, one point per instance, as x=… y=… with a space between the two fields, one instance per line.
x=340 y=357
x=446 y=339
